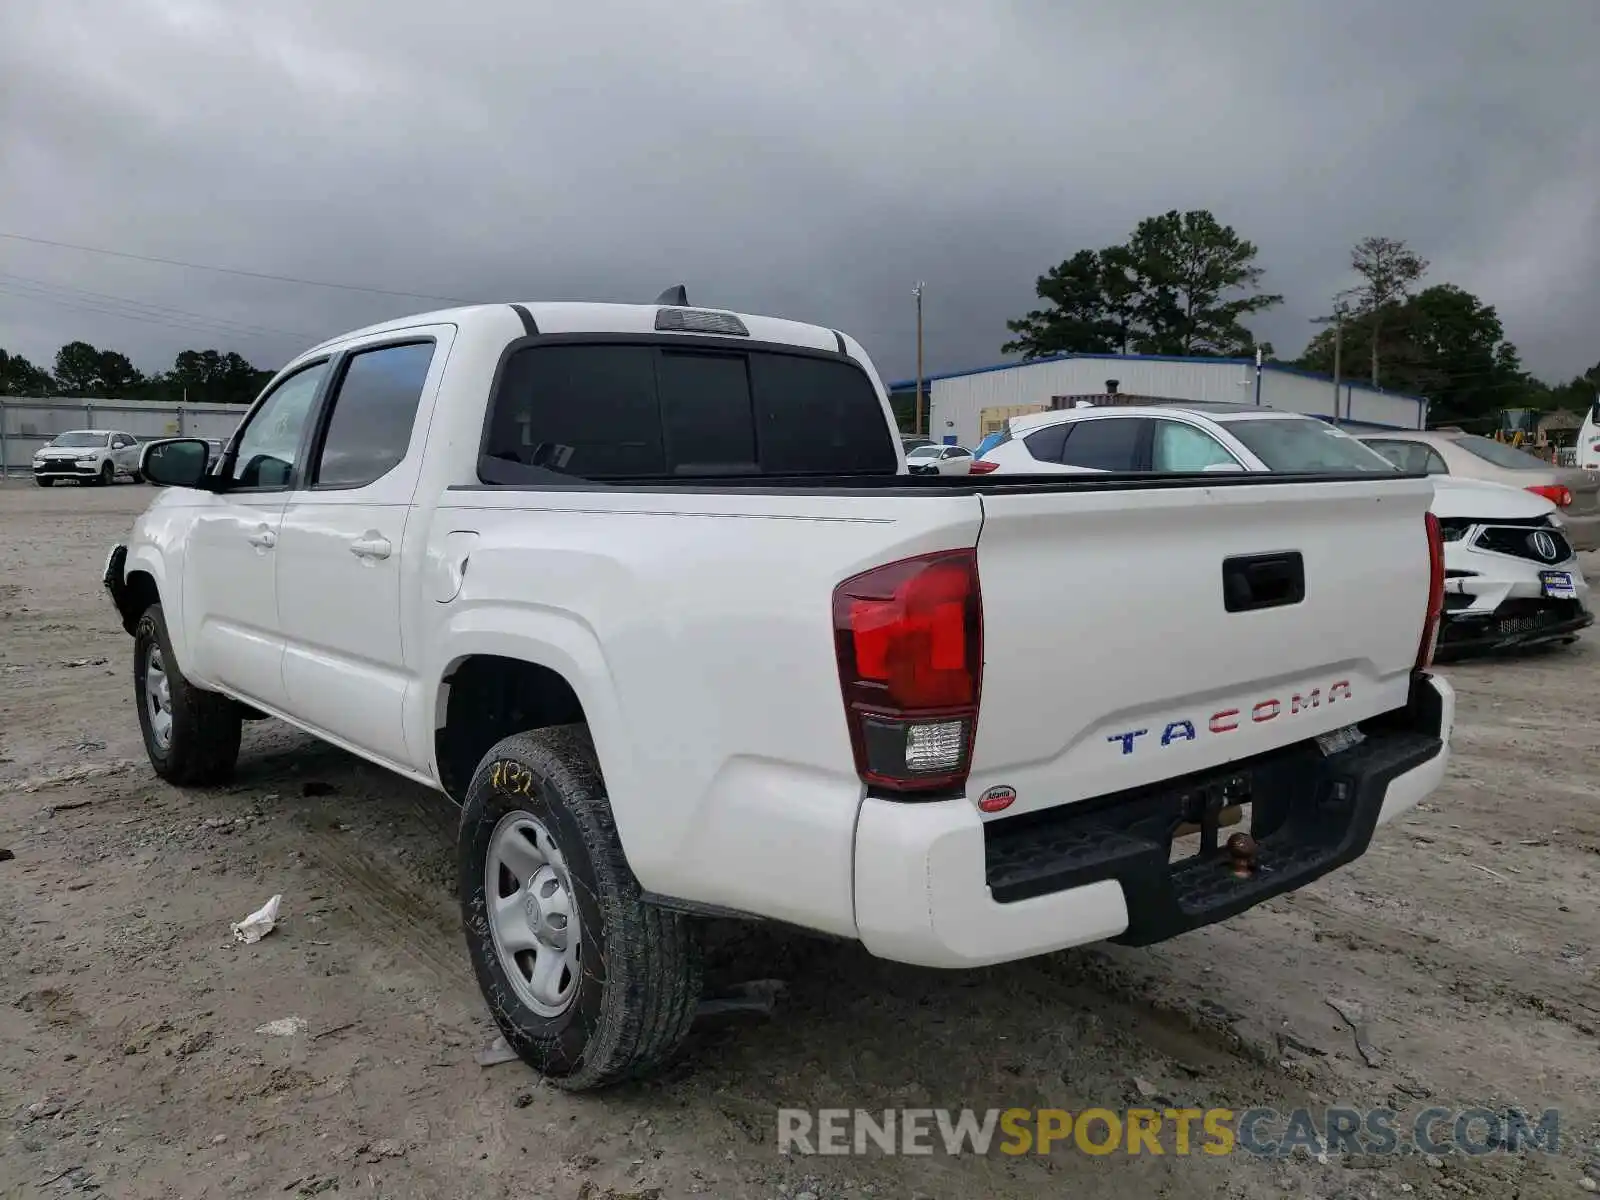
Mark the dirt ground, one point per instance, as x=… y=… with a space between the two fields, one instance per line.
x=131 y=1062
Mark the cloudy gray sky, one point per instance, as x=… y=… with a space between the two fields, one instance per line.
x=808 y=159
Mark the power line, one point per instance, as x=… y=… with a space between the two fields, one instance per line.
x=173 y=262
x=226 y=324
x=84 y=306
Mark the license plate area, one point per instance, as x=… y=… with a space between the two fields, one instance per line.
x=1558 y=585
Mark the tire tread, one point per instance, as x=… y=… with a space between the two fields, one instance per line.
x=206 y=728
x=652 y=954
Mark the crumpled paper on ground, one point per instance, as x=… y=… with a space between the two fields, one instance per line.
x=258 y=924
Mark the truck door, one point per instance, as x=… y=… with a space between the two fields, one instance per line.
x=340 y=562
x=230 y=593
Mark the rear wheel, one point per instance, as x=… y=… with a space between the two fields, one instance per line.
x=589 y=984
x=137 y=477
x=190 y=735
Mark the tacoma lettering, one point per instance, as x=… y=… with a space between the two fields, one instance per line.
x=1227 y=720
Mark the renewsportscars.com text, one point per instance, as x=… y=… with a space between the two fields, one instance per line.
x=1260 y=1132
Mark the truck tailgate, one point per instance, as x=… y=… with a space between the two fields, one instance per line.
x=1111 y=656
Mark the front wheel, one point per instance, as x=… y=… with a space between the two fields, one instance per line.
x=589 y=984
x=108 y=475
x=42 y=481
x=190 y=735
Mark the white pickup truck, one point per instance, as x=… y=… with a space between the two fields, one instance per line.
x=648 y=592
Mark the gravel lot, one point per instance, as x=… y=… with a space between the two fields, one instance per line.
x=129 y=1059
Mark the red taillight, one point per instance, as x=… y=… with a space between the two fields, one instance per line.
x=1558 y=495
x=979 y=467
x=909 y=638
x=1430 y=626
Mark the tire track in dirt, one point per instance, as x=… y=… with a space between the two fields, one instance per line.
x=1523 y=981
x=399 y=915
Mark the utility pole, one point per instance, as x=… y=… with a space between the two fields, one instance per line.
x=1338 y=350
x=1341 y=310
x=917 y=292
x=1258 y=376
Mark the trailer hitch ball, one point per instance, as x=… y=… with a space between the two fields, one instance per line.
x=1242 y=851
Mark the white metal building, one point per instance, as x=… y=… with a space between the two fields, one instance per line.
x=964 y=405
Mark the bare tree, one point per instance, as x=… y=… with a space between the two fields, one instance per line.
x=1388 y=269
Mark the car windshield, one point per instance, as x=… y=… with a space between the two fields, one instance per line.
x=1306 y=444
x=1499 y=454
x=924 y=452
x=79 y=439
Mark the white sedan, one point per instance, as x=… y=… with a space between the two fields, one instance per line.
x=939 y=460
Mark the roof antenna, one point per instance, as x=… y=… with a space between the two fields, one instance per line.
x=677 y=296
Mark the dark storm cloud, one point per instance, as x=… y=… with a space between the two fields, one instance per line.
x=807 y=160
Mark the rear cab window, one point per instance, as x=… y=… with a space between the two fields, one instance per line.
x=652 y=410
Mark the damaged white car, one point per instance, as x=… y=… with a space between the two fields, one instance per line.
x=1511 y=575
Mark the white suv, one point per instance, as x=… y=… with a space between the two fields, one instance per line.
x=88 y=455
x=1513 y=577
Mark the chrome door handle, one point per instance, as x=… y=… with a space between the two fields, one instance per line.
x=372 y=546
x=263 y=539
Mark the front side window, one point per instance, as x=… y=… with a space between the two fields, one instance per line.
x=1106 y=444
x=1306 y=444
x=369 y=432
x=1180 y=447
x=270 y=443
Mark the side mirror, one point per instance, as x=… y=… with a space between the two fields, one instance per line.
x=176 y=462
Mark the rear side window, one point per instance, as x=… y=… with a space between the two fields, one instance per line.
x=649 y=411
x=1416 y=457
x=1500 y=455
x=1107 y=444
x=374 y=409
x=1046 y=444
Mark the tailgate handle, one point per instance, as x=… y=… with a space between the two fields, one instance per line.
x=1252 y=581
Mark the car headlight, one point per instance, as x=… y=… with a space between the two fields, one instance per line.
x=86 y=462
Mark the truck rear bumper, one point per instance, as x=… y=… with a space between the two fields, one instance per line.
x=938 y=886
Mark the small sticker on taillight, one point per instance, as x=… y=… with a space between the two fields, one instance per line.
x=997 y=799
